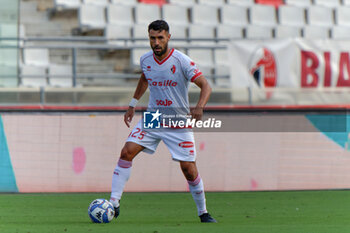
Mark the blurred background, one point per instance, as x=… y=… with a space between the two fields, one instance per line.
x=68 y=69
x=263 y=52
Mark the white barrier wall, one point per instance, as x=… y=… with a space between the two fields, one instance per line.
x=78 y=153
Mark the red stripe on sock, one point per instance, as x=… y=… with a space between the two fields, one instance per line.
x=195 y=181
x=124 y=164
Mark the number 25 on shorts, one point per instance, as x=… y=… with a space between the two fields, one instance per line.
x=138 y=133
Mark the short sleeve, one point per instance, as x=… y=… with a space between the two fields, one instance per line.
x=190 y=69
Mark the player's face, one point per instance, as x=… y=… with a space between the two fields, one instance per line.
x=159 y=42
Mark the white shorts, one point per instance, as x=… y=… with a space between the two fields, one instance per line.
x=180 y=142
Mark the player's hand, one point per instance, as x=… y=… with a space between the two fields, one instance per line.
x=128 y=116
x=197 y=113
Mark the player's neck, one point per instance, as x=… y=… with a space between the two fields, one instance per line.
x=160 y=58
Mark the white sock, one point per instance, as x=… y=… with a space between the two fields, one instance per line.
x=197 y=191
x=120 y=177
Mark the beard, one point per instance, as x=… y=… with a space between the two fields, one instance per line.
x=161 y=52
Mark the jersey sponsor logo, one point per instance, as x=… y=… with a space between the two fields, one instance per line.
x=148 y=68
x=192 y=152
x=192 y=63
x=186 y=144
x=165 y=102
x=165 y=83
x=173 y=69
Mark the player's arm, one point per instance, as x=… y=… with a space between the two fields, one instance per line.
x=140 y=90
x=205 y=92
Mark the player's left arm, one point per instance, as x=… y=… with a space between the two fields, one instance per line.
x=205 y=92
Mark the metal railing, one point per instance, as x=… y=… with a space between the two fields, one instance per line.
x=75 y=43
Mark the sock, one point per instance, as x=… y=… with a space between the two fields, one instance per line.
x=120 y=177
x=197 y=191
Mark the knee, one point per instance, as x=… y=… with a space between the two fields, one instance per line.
x=126 y=154
x=189 y=170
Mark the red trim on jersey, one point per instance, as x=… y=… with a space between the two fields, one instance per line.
x=196 y=76
x=165 y=59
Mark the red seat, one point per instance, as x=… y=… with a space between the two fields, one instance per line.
x=275 y=3
x=157 y=2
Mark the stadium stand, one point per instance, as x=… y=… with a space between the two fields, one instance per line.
x=175 y=14
x=120 y=14
x=91 y=17
x=259 y=32
x=135 y=56
x=157 y=2
x=263 y=15
x=284 y=31
x=146 y=13
x=342 y=16
x=234 y=15
x=36 y=57
x=178 y=34
x=340 y=32
x=204 y=14
x=202 y=31
x=275 y=3
x=33 y=76
x=67 y=4
x=224 y=31
x=217 y=3
x=221 y=57
x=328 y=3
x=60 y=75
x=140 y=34
x=115 y=33
x=316 y=32
x=204 y=60
x=183 y=2
x=123 y=23
x=124 y=2
x=291 y=16
x=320 y=16
x=301 y=3
x=103 y=3
x=241 y=2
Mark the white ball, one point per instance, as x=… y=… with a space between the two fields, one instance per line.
x=101 y=211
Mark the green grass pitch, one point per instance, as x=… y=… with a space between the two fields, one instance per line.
x=241 y=212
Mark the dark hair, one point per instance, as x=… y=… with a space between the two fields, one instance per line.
x=158 y=25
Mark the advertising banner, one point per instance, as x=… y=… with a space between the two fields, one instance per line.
x=291 y=63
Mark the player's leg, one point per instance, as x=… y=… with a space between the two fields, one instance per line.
x=122 y=172
x=196 y=186
x=182 y=148
x=137 y=141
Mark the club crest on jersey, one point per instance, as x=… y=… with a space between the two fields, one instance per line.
x=148 y=68
x=173 y=69
x=192 y=63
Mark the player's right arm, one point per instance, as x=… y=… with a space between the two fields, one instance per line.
x=140 y=90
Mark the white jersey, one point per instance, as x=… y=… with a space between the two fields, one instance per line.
x=168 y=80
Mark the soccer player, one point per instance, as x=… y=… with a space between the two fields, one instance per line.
x=167 y=73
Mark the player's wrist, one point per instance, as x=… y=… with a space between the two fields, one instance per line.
x=133 y=103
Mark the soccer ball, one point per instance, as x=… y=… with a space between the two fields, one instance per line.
x=101 y=211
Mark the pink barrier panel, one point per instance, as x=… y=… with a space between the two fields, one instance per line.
x=78 y=153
